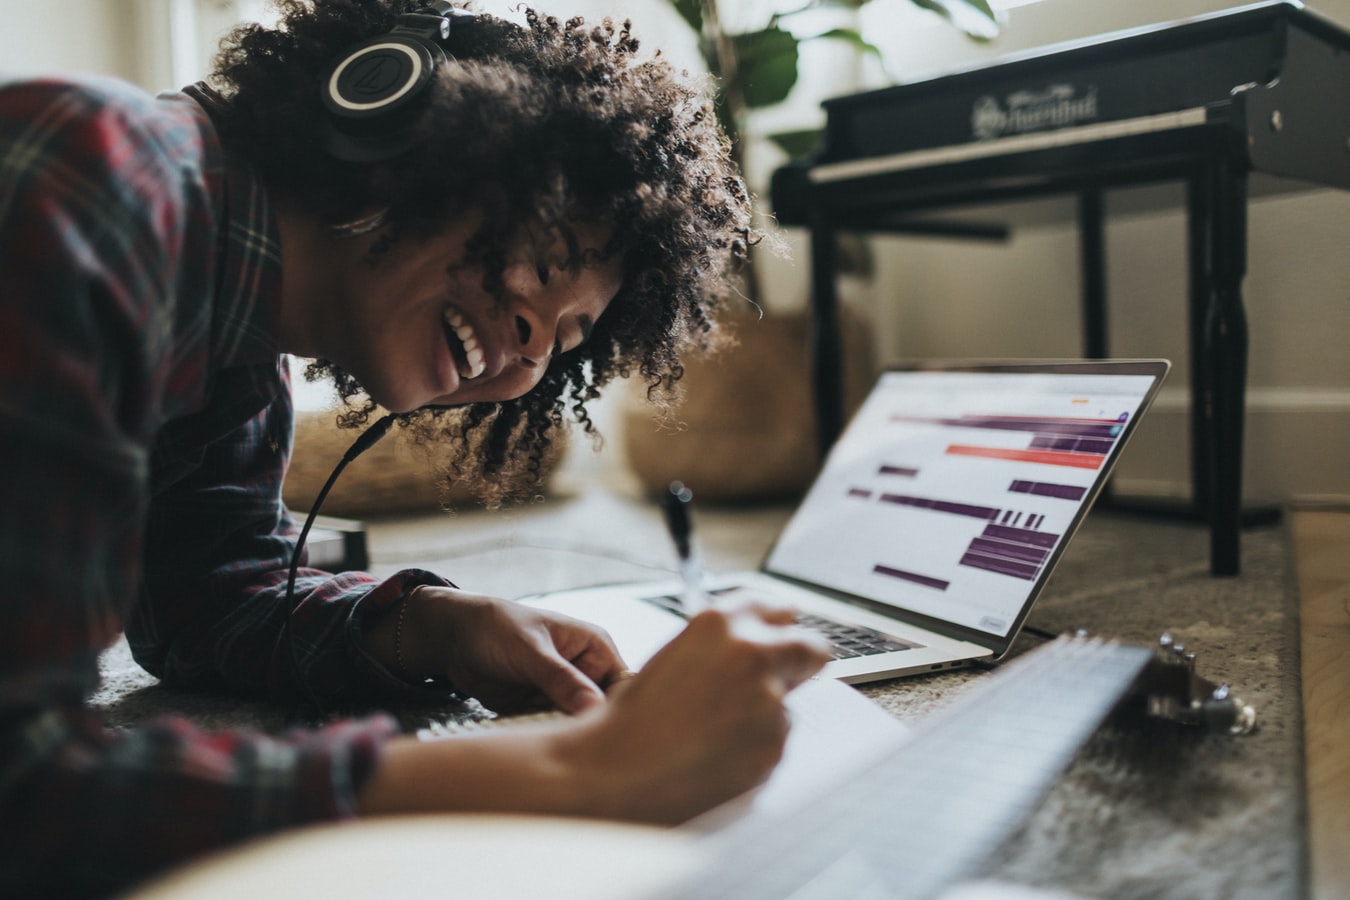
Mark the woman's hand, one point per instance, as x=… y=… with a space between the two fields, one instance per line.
x=509 y=656
x=702 y=723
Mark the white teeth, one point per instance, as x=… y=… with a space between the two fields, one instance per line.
x=473 y=350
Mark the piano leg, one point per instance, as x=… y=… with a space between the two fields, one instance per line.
x=1092 y=280
x=1092 y=259
x=826 y=345
x=1219 y=195
x=1198 y=220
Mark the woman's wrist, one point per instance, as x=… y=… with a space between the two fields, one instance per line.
x=510 y=769
x=399 y=637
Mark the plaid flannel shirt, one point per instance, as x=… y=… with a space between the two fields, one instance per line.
x=145 y=427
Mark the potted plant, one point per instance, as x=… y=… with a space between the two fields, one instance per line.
x=757 y=69
x=743 y=428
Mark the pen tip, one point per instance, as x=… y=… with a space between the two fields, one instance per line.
x=676 y=506
x=679 y=492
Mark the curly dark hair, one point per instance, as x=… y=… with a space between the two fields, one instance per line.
x=552 y=123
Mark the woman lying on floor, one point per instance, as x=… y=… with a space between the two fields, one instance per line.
x=471 y=223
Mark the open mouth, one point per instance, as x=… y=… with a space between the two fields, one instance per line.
x=464 y=344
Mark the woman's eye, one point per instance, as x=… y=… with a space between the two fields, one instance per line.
x=541 y=270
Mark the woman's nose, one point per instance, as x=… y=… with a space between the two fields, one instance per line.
x=535 y=339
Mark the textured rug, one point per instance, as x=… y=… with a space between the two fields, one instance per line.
x=1157 y=814
x=1167 y=813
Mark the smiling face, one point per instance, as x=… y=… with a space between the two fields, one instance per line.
x=417 y=327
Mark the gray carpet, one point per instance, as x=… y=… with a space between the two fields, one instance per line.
x=1155 y=814
x=1162 y=813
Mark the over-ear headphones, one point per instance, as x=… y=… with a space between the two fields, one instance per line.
x=374 y=94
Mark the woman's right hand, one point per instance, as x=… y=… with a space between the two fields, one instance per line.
x=703 y=722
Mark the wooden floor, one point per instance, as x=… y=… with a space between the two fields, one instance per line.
x=1322 y=549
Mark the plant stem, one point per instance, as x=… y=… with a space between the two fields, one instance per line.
x=720 y=56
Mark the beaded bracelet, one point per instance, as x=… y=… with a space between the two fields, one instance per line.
x=398 y=634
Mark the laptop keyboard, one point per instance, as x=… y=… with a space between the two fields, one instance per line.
x=849 y=641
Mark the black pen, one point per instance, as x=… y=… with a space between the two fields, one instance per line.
x=675 y=504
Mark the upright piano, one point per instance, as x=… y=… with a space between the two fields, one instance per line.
x=1203 y=101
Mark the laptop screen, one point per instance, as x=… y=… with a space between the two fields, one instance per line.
x=953 y=489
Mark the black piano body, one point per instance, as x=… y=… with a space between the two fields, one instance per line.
x=1206 y=101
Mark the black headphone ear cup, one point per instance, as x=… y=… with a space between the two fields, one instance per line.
x=374 y=94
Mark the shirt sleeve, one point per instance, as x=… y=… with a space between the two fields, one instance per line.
x=215 y=612
x=95 y=213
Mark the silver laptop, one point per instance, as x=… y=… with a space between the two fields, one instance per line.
x=935 y=521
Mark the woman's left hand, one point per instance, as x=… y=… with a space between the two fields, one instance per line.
x=509 y=656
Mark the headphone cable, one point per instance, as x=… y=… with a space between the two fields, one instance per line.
x=367 y=439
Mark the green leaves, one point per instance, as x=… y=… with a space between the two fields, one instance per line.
x=692 y=13
x=759 y=68
x=797 y=144
x=766 y=65
x=764 y=69
x=974 y=17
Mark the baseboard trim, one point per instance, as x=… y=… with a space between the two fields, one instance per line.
x=1267 y=399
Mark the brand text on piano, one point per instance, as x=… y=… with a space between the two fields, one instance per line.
x=1057 y=106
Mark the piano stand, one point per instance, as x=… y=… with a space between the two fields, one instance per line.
x=875 y=173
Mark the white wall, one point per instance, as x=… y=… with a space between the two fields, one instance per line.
x=157 y=44
x=84 y=36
